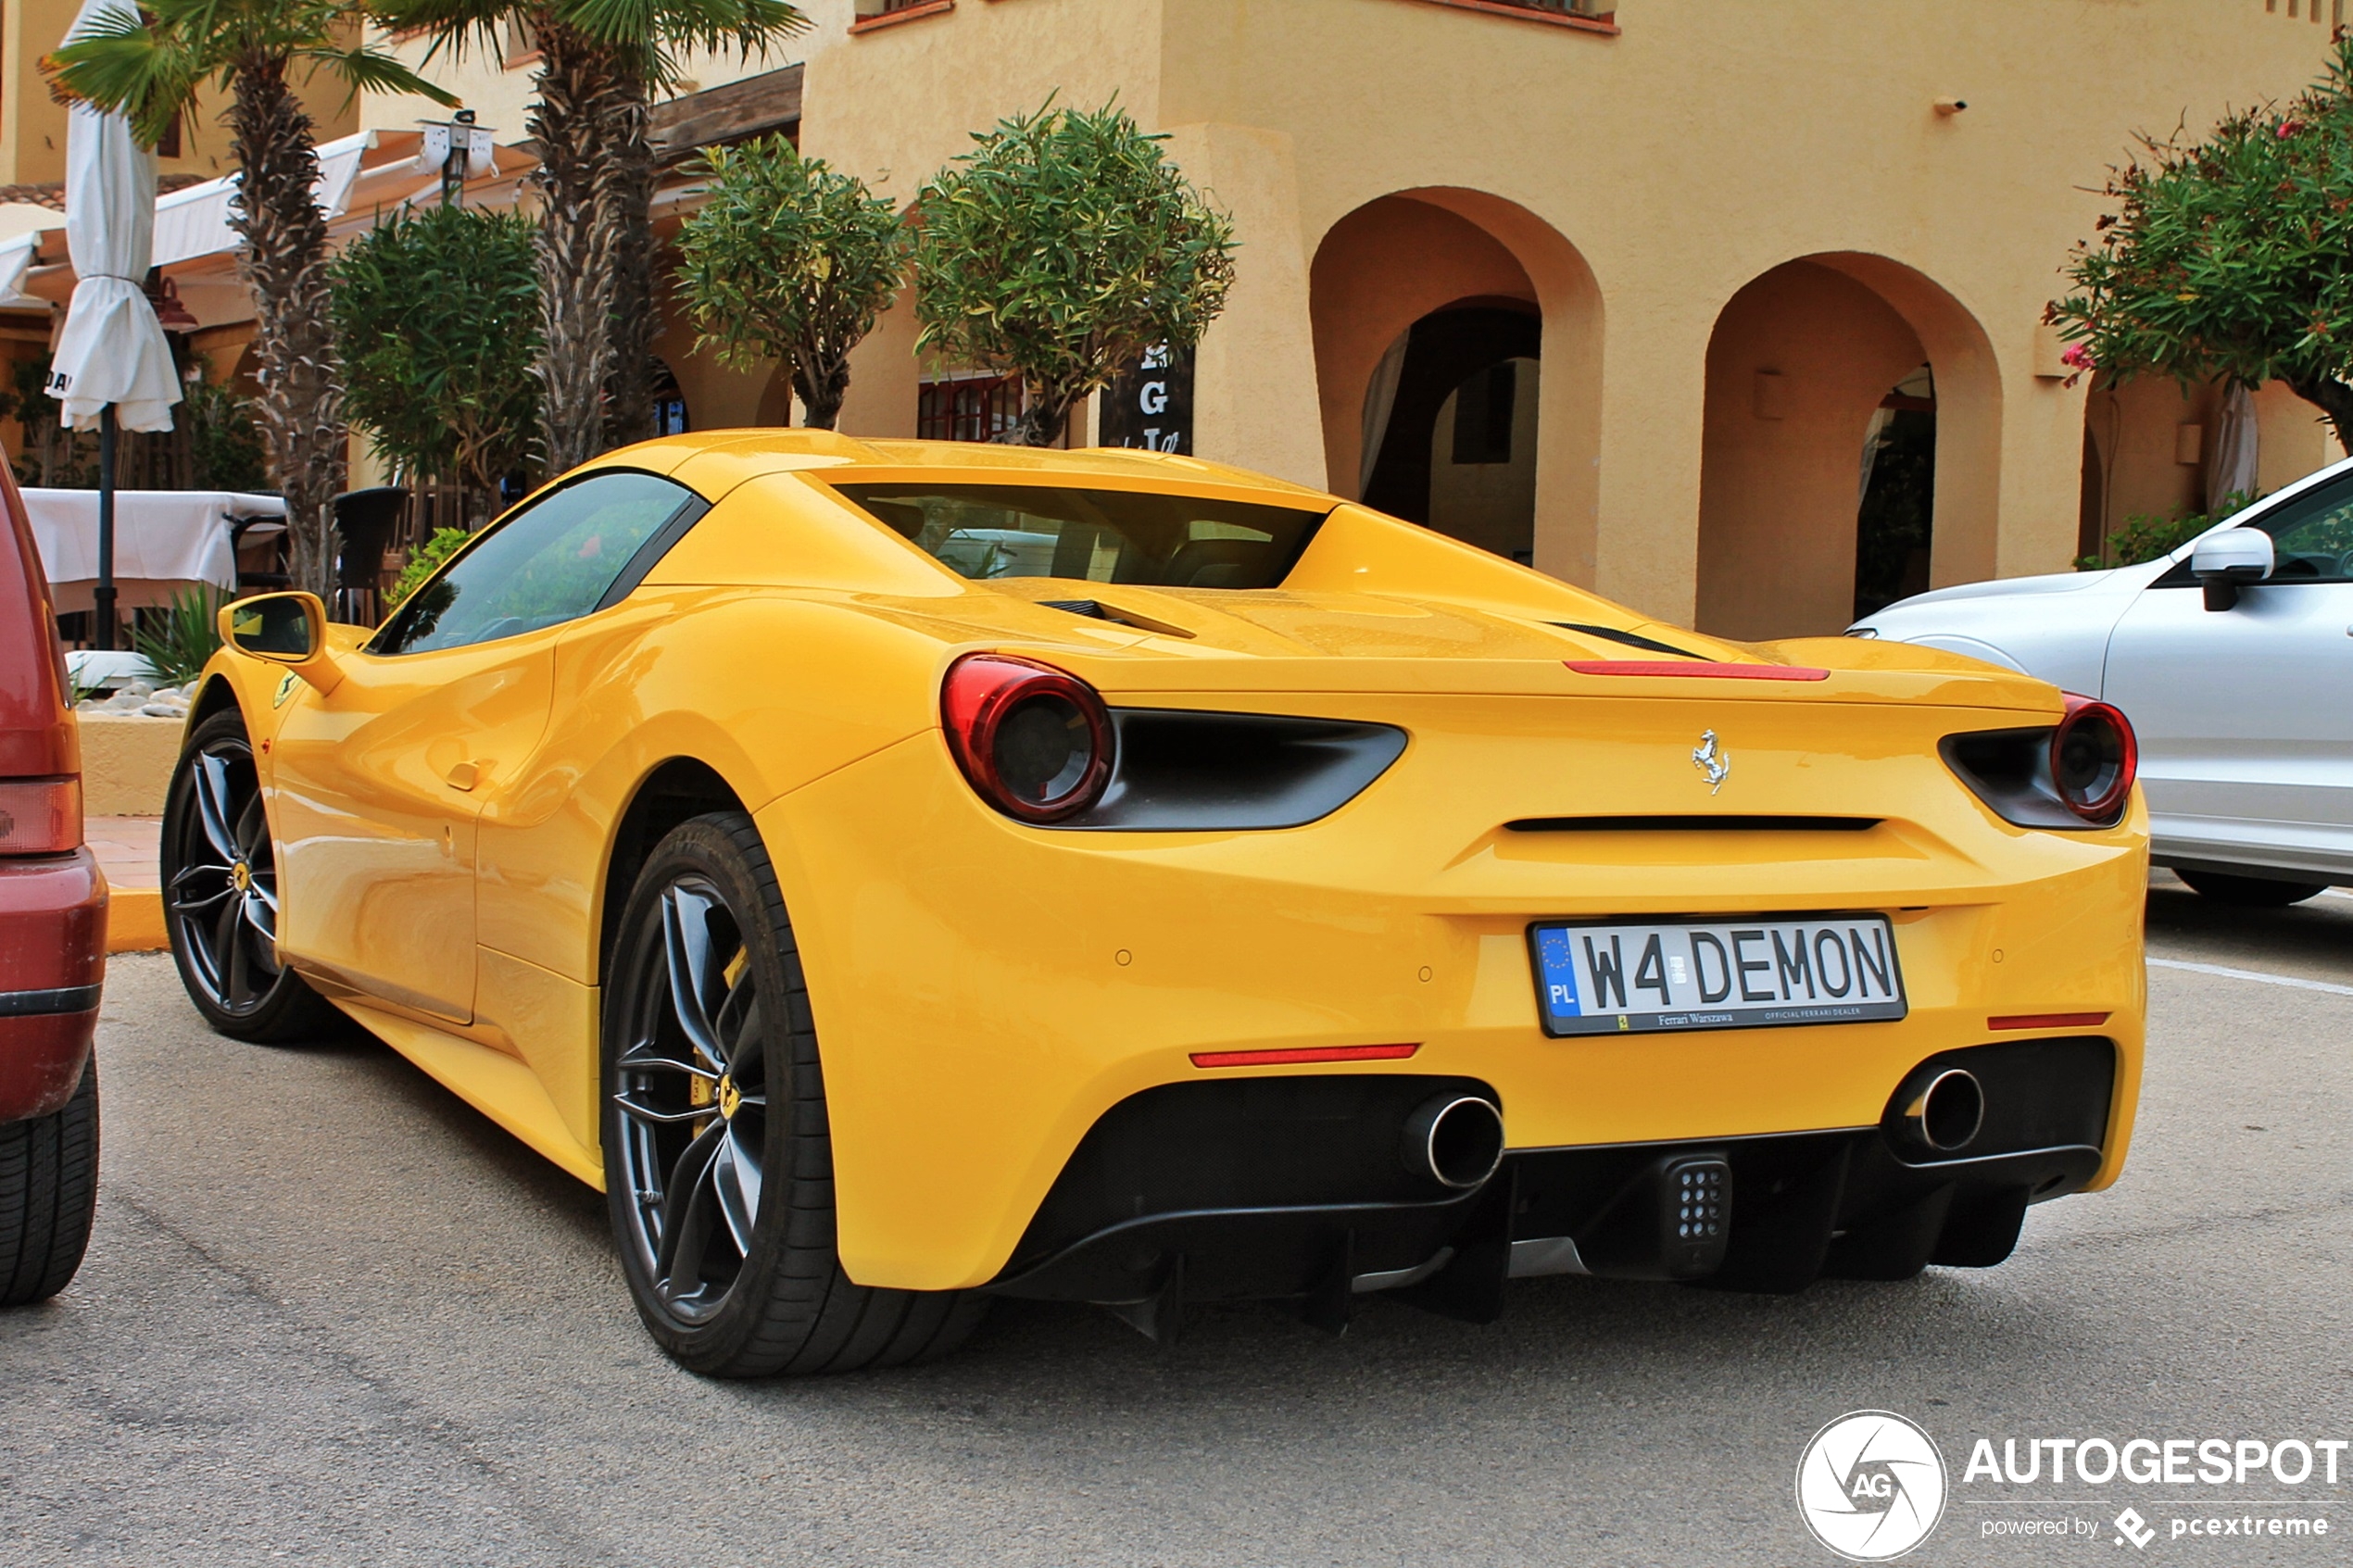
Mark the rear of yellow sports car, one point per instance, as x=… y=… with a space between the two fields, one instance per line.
x=1421 y=943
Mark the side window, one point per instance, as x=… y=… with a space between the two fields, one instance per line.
x=574 y=550
x=2312 y=539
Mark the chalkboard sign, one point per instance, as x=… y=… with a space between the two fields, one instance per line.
x=1149 y=403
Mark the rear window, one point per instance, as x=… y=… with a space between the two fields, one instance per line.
x=1093 y=536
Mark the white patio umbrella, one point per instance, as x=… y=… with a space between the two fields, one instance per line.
x=2232 y=464
x=112 y=367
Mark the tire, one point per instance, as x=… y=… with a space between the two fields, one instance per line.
x=48 y=1191
x=718 y=1156
x=220 y=895
x=2250 y=892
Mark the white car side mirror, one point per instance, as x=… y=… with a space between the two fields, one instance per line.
x=2228 y=559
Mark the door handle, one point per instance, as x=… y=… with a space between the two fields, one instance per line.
x=464 y=775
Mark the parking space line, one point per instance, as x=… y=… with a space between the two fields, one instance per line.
x=2254 y=975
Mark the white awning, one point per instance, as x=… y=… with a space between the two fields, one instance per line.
x=195 y=221
x=15 y=262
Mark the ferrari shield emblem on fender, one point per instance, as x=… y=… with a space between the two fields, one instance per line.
x=285 y=689
x=1710 y=758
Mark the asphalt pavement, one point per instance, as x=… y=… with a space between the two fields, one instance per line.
x=332 y=1315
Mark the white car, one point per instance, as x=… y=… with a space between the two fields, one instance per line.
x=2233 y=658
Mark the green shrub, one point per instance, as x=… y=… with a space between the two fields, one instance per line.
x=179 y=641
x=445 y=543
x=2146 y=537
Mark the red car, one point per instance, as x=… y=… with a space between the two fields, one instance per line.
x=53 y=941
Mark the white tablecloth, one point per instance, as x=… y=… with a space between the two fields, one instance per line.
x=163 y=540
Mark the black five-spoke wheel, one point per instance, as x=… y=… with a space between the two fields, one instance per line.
x=692 y=1091
x=221 y=892
x=718 y=1164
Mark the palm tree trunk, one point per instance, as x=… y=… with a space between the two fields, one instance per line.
x=626 y=208
x=579 y=100
x=285 y=263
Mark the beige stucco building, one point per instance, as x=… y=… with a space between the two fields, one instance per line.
x=1662 y=300
x=1739 y=226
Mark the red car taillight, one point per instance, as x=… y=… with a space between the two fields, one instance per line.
x=1035 y=741
x=40 y=816
x=2093 y=758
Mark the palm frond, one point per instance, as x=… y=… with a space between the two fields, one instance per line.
x=452 y=25
x=662 y=26
x=123 y=65
x=365 y=69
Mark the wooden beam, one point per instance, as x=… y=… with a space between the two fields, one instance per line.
x=770 y=101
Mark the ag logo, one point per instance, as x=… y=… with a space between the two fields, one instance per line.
x=1870 y=1486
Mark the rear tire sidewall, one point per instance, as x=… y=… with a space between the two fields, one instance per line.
x=705 y=848
x=292 y=1010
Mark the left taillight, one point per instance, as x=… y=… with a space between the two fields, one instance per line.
x=40 y=816
x=2093 y=758
x=1035 y=742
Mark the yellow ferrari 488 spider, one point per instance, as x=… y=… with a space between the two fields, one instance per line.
x=904 y=873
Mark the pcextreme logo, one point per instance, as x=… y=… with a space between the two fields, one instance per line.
x=1870 y=1486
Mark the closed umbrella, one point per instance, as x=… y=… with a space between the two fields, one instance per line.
x=2231 y=467
x=113 y=367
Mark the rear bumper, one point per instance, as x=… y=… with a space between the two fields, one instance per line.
x=1291 y=1190
x=53 y=942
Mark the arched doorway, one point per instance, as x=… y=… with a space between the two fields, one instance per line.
x=1432 y=310
x=1450 y=419
x=1896 y=513
x=1850 y=455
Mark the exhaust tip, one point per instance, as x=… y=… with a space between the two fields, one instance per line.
x=1943 y=1114
x=1454 y=1140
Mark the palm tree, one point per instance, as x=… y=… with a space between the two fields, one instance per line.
x=150 y=64
x=599 y=63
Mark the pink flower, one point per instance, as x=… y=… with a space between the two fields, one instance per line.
x=2078 y=356
x=2289 y=128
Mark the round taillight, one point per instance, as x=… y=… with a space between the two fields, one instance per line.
x=1035 y=741
x=2094 y=758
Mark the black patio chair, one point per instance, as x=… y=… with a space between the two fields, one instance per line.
x=364 y=523
x=258 y=581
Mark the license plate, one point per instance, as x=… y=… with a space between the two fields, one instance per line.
x=1608 y=977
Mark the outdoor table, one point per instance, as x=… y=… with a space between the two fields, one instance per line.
x=165 y=541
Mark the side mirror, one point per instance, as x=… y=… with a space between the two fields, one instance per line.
x=288 y=629
x=2228 y=559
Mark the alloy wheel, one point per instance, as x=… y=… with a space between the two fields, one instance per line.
x=223 y=898
x=691 y=1083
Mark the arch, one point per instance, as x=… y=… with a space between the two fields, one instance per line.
x=1800 y=360
x=1425 y=253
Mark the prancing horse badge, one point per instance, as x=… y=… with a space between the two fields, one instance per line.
x=1710 y=758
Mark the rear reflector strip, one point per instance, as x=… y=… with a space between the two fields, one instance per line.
x=1697 y=667
x=2048 y=1020
x=40 y=816
x=1304 y=1053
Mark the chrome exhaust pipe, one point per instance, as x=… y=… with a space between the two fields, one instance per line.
x=1454 y=1140
x=1944 y=1112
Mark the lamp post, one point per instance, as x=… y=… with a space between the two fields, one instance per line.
x=459 y=149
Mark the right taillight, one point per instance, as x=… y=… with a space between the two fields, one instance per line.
x=1035 y=741
x=2077 y=774
x=40 y=816
x=2094 y=758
